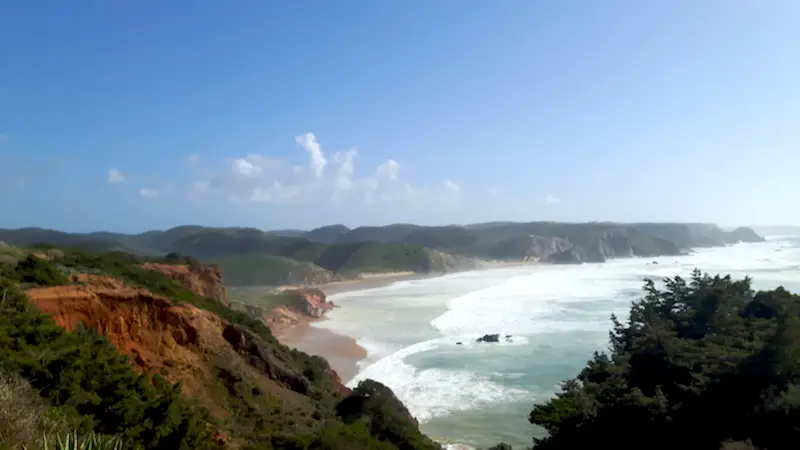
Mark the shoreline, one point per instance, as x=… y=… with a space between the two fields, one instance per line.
x=341 y=351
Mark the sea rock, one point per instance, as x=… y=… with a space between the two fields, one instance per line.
x=489 y=338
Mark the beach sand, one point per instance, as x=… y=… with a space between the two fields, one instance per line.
x=342 y=352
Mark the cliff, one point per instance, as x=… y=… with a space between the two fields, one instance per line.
x=286 y=309
x=182 y=343
x=203 y=279
x=225 y=373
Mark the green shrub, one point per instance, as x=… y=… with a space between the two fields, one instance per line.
x=91 y=383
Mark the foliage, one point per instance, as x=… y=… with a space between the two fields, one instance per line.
x=388 y=418
x=699 y=363
x=87 y=394
x=269 y=270
x=90 y=441
x=34 y=270
x=251 y=257
x=23 y=415
x=28 y=422
x=91 y=383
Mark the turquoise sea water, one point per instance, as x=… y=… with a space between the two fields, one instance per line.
x=481 y=394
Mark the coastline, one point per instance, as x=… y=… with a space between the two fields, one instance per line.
x=342 y=352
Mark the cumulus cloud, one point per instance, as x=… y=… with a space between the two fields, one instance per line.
x=551 y=199
x=115 y=176
x=309 y=142
x=332 y=177
x=148 y=193
x=343 y=179
x=452 y=187
x=388 y=169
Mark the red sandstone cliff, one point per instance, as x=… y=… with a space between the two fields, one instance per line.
x=302 y=306
x=203 y=279
x=178 y=341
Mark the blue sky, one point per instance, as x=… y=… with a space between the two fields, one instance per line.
x=137 y=115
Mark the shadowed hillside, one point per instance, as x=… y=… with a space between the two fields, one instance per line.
x=248 y=256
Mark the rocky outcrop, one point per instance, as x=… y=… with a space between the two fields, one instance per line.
x=492 y=338
x=310 y=302
x=203 y=279
x=489 y=338
x=302 y=305
x=296 y=306
x=743 y=234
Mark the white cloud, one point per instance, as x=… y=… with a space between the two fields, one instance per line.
x=551 y=199
x=193 y=158
x=343 y=180
x=452 y=187
x=494 y=192
x=333 y=177
x=245 y=168
x=277 y=192
x=115 y=176
x=309 y=142
x=388 y=169
x=148 y=193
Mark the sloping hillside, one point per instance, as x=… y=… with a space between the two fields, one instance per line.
x=237 y=387
x=248 y=256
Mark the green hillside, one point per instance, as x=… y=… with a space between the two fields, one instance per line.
x=53 y=382
x=704 y=363
x=249 y=256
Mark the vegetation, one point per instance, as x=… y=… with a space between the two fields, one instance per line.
x=92 y=386
x=75 y=390
x=250 y=257
x=705 y=363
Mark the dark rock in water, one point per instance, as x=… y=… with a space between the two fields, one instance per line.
x=458 y=343
x=489 y=338
x=508 y=336
x=654 y=262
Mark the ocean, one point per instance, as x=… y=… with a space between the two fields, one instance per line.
x=480 y=394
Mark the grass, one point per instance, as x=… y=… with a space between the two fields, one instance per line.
x=29 y=423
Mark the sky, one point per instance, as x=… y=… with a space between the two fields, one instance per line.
x=136 y=115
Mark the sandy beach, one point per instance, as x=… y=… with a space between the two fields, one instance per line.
x=342 y=352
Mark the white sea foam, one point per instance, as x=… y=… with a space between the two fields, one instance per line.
x=433 y=392
x=557 y=315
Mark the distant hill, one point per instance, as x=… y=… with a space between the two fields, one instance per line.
x=248 y=256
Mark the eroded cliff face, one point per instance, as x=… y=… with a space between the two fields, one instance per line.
x=203 y=279
x=301 y=306
x=180 y=342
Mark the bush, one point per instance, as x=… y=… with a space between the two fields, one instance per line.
x=92 y=384
x=23 y=418
x=701 y=362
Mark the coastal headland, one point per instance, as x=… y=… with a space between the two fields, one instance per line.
x=201 y=338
